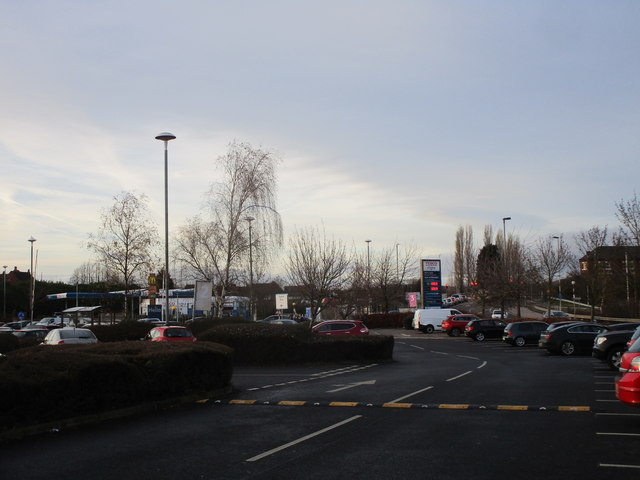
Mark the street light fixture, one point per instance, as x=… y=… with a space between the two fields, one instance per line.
x=165 y=137
x=504 y=230
x=32 y=285
x=251 y=309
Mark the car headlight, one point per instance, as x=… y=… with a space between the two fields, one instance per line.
x=601 y=340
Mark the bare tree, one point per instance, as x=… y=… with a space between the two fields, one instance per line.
x=464 y=261
x=126 y=238
x=588 y=243
x=90 y=272
x=629 y=215
x=318 y=265
x=216 y=247
x=550 y=260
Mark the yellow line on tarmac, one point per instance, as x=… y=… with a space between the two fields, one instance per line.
x=454 y=406
x=343 y=404
x=242 y=402
x=295 y=403
x=397 y=405
x=565 y=408
x=512 y=407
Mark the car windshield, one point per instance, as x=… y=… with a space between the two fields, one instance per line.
x=177 y=332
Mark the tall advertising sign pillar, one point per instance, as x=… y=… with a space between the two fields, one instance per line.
x=430 y=282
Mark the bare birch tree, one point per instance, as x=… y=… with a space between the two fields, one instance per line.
x=550 y=260
x=629 y=215
x=318 y=265
x=126 y=238
x=216 y=245
x=588 y=243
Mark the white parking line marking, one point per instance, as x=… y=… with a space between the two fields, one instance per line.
x=415 y=346
x=410 y=395
x=615 y=434
x=470 y=358
x=613 y=400
x=458 y=376
x=483 y=364
x=616 y=465
x=603 y=414
x=301 y=439
x=439 y=353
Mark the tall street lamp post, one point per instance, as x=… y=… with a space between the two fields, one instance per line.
x=251 y=309
x=32 y=285
x=559 y=276
x=165 y=137
x=504 y=259
x=4 y=293
x=368 y=275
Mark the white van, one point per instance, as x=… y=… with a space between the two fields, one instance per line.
x=428 y=320
x=69 y=335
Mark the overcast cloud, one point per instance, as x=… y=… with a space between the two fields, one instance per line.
x=396 y=121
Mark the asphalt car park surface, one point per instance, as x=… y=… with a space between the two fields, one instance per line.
x=444 y=408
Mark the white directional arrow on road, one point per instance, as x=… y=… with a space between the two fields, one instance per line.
x=351 y=385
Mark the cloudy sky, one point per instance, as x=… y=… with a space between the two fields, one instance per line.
x=396 y=121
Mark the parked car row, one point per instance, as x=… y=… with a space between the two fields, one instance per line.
x=454 y=299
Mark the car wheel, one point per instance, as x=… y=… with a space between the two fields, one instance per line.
x=567 y=348
x=614 y=357
x=519 y=342
x=455 y=332
x=429 y=329
x=479 y=337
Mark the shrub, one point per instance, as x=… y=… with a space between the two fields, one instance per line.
x=258 y=343
x=41 y=384
x=386 y=320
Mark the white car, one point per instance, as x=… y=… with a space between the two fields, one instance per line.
x=497 y=314
x=69 y=336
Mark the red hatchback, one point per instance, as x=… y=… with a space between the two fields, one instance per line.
x=341 y=327
x=170 y=334
x=628 y=384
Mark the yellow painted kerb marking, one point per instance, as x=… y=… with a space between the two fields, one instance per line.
x=397 y=405
x=296 y=403
x=513 y=407
x=454 y=406
x=565 y=408
x=343 y=404
x=242 y=402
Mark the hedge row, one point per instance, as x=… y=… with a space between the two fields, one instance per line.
x=281 y=344
x=43 y=384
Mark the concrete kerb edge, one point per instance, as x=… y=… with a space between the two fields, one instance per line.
x=82 y=420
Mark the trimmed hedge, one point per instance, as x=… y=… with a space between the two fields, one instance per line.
x=387 y=320
x=43 y=384
x=258 y=343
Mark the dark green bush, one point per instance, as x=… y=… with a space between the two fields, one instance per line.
x=386 y=320
x=41 y=384
x=259 y=343
x=8 y=342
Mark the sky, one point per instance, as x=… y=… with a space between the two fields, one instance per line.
x=395 y=121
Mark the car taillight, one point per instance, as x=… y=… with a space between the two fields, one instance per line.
x=364 y=330
x=634 y=366
x=509 y=333
x=469 y=328
x=445 y=324
x=60 y=342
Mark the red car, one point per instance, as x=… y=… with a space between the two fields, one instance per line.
x=341 y=327
x=170 y=334
x=454 y=324
x=628 y=384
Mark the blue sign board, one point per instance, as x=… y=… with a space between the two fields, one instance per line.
x=430 y=283
x=154 y=311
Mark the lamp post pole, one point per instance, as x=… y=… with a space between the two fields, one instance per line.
x=251 y=309
x=504 y=231
x=32 y=283
x=573 y=286
x=504 y=260
x=559 y=275
x=368 y=276
x=165 y=137
x=4 y=294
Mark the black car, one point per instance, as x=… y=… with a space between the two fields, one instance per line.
x=610 y=345
x=484 y=328
x=571 y=339
x=522 y=333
